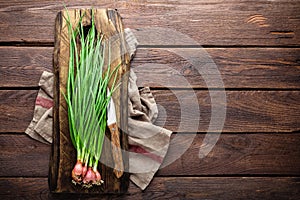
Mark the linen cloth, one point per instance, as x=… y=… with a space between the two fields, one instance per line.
x=148 y=143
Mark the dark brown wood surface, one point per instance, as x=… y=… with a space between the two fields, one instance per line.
x=256 y=48
x=276 y=68
x=212 y=22
x=243 y=154
x=171 y=187
x=247 y=111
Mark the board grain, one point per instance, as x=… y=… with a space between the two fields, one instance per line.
x=63 y=157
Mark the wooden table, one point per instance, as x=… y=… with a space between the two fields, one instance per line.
x=255 y=46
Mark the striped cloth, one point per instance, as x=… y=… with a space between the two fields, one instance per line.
x=40 y=127
x=148 y=143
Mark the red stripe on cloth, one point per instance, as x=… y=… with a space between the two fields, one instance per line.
x=140 y=150
x=45 y=103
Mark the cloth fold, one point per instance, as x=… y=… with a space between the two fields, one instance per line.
x=40 y=127
x=148 y=143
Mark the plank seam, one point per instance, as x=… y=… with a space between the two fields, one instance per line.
x=198 y=133
x=217 y=46
x=194 y=176
x=20 y=88
x=226 y=89
x=27 y=44
x=175 y=88
x=230 y=176
x=51 y=44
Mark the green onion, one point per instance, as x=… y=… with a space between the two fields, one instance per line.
x=87 y=99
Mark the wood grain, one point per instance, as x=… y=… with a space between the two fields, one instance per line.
x=173 y=188
x=16 y=109
x=63 y=158
x=238 y=67
x=255 y=46
x=247 y=111
x=238 y=154
x=234 y=154
x=22 y=67
x=23 y=156
x=208 y=23
x=159 y=67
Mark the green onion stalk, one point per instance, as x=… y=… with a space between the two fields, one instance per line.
x=87 y=99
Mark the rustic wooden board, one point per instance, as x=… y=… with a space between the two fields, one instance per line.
x=266 y=68
x=63 y=157
x=170 y=188
x=247 y=111
x=214 y=22
x=242 y=154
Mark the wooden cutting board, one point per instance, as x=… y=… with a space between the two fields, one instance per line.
x=63 y=157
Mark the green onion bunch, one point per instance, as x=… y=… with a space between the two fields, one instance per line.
x=87 y=99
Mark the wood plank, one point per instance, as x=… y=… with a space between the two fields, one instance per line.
x=17 y=109
x=236 y=154
x=63 y=158
x=243 y=154
x=23 y=156
x=247 y=111
x=24 y=66
x=213 y=22
x=239 y=67
x=173 y=188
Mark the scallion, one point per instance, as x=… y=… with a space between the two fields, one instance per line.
x=87 y=99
